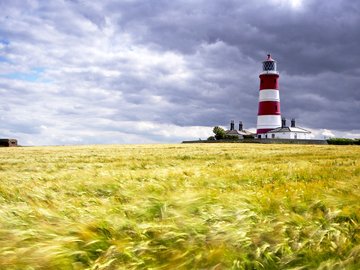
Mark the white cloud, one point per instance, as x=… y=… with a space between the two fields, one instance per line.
x=294 y=4
x=326 y=134
x=109 y=132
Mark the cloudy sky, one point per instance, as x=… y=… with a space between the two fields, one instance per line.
x=131 y=71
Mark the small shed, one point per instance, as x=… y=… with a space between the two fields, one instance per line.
x=8 y=142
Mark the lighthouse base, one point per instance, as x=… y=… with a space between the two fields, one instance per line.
x=266 y=123
x=263 y=130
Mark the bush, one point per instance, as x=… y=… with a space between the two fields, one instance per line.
x=219 y=133
x=231 y=137
x=343 y=141
x=211 y=138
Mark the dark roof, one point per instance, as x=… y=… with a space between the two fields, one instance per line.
x=7 y=140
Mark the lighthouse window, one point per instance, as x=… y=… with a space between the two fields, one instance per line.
x=268 y=65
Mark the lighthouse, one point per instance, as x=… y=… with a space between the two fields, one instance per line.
x=269 y=116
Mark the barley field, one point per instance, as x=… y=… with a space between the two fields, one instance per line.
x=198 y=206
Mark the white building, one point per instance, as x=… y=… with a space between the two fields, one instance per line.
x=285 y=132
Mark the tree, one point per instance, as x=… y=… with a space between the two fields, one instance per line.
x=219 y=133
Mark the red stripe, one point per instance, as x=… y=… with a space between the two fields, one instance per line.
x=263 y=130
x=269 y=108
x=269 y=81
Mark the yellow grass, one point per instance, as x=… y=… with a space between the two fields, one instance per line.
x=199 y=206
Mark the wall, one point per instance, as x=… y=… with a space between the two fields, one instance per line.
x=289 y=135
x=269 y=141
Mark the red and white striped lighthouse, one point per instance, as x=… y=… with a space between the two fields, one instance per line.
x=269 y=116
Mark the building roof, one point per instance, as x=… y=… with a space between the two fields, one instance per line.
x=238 y=132
x=289 y=129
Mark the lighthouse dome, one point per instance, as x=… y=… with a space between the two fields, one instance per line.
x=269 y=65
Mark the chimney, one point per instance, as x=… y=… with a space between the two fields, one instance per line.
x=293 y=122
x=232 y=125
x=283 y=122
x=240 y=126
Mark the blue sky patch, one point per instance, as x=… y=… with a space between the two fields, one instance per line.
x=4 y=41
x=32 y=76
x=3 y=59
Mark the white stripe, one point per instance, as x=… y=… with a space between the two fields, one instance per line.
x=269 y=95
x=269 y=72
x=268 y=121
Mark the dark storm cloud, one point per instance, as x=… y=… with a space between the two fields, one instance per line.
x=316 y=38
x=318 y=34
x=155 y=69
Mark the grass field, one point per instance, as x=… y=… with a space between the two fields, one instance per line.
x=199 y=206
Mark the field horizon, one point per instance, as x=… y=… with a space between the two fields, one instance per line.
x=180 y=206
